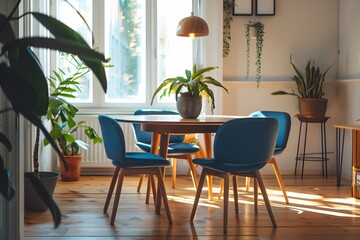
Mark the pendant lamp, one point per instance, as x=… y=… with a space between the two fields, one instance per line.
x=192 y=26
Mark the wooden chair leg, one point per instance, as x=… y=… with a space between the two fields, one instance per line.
x=198 y=193
x=266 y=198
x=153 y=186
x=221 y=190
x=117 y=196
x=148 y=191
x=142 y=177
x=256 y=196
x=279 y=178
x=247 y=183
x=192 y=171
x=173 y=173
x=162 y=191
x=226 y=201
x=236 y=198
x=111 y=189
x=158 y=194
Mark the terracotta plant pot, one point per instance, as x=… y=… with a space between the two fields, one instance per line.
x=74 y=168
x=314 y=107
x=189 y=107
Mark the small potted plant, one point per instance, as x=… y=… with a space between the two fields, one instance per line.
x=61 y=114
x=309 y=84
x=254 y=29
x=188 y=91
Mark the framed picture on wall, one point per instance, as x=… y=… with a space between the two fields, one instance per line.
x=265 y=7
x=243 y=8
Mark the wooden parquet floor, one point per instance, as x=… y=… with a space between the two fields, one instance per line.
x=317 y=210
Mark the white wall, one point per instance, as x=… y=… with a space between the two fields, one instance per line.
x=349 y=39
x=308 y=29
x=349 y=72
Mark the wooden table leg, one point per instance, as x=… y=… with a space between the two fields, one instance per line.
x=164 y=144
x=155 y=141
x=208 y=151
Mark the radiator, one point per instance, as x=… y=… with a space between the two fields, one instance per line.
x=95 y=160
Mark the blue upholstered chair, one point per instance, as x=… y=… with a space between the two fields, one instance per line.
x=178 y=149
x=241 y=147
x=128 y=163
x=284 y=121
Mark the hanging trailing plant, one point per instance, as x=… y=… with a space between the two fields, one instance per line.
x=259 y=34
x=227 y=6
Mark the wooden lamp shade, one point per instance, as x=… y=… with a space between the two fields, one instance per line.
x=192 y=26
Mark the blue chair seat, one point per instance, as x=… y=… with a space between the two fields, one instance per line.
x=174 y=148
x=227 y=167
x=136 y=159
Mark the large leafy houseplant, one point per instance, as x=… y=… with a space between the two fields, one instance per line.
x=258 y=29
x=25 y=86
x=194 y=83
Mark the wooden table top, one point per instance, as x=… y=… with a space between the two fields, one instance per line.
x=176 y=119
x=350 y=127
x=176 y=124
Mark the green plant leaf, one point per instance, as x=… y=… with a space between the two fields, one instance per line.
x=204 y=70
x=283 y=93
x=162 y=85
x=5 y=141
x=27 y=65
x=188 y=74
x=63 y=45
x=210 y=80
x=16 y=90
x=82 y=144
x=7 y=34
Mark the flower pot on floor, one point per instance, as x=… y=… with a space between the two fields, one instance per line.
x=33 y=202
x=74 y=168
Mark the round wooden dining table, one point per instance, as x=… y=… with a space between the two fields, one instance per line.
x=162 y=126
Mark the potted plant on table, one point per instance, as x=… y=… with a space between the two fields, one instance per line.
x=310 y=91
x=188 y=91
x=26 y=88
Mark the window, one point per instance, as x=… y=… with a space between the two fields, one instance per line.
x=69 y=16
x=140 y=38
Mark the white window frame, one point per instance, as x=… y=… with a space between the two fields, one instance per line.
x=99 y=104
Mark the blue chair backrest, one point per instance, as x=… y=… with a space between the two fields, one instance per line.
x=113 y=138
x=284 y=125
x=145 y=137
x=247 y=142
